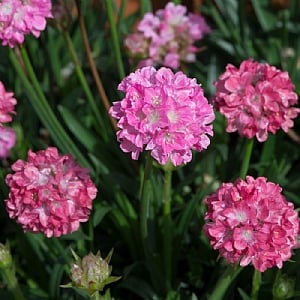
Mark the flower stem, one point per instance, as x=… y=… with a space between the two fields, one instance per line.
x=224 y=282
x=145 y=198
x=12 y=283
x=145 y=219
x=167 y=226
x=115 y=38
x=92 y=64
x=96 y=296
x=42 y=107
x=247 y=157
x=256 y=281
x=146 y=6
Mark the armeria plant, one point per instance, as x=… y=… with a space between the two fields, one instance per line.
x=128 y=134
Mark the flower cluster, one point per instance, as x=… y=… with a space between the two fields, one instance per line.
x=164 y=112
x=21 y=17
x=49 y=193
x=167 y=38
x=256 y=99
x=251 y=222
x=7 y=135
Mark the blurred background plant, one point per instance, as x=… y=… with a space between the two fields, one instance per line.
x=76 y=77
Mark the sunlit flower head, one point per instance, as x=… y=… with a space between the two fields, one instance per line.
x=167 y=37
x=164 y=113
x=21 y=17
x=251 y=222
x=49 y=193
x=256 y=99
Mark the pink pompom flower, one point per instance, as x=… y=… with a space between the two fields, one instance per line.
x=7 y=105
x=167 y=37
x=163 y=112
x=7 y=141
x=19 y=18
x=256 y=99
x=49 y=193
x=251 y=222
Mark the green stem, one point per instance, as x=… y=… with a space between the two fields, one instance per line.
x=82 y=79
x=149 y=251
x=167 y=226
x=42 y=107
x=115 y=38
x=96 y=296
x=256 y=281
x=145 y=199
x=146 y=6
x=247 y=156
x=224 y=282
x=12 y=283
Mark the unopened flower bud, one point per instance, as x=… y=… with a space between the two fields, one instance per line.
x=91 y=273
x=5 y=257
x=284 y=287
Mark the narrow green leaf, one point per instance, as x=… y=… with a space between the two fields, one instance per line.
x=100 y=213
x=266 y=19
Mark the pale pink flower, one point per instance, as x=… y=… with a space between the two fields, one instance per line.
x=49 y=193
x=256 y=99
x=7 y=105
x=167 y=38
x=251 y=222
x=163 y=112
x=21 y=17
x=7 y=141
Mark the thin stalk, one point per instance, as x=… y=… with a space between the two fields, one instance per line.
x=96 y=296
x=146 y=197
x=82 y=78
x=167 y=226
x=224 y=282
x=145 y=200
x=92 y=64
x=146 y=6
x=12 y=283
x=115 y=38
x=42 y=107
x=256 y=281
x=247 y=157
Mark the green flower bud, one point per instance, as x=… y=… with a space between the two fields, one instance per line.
x=5 y=257
x=91 y=273
x=284 y=287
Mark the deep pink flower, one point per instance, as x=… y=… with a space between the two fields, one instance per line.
x=21 y=17
x=251 y=222
x=163 y=112
x=49 y=193
x=7 y=105
x=7 y=141
x=256 y=99
x=168 y=37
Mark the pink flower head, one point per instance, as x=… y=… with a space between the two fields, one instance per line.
x=49 y=193
x=21 y=17
x=7 y=141
x=163 y=112
x=256 y=99
x=251 y=222
x=7 y=105
x=168 y=37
